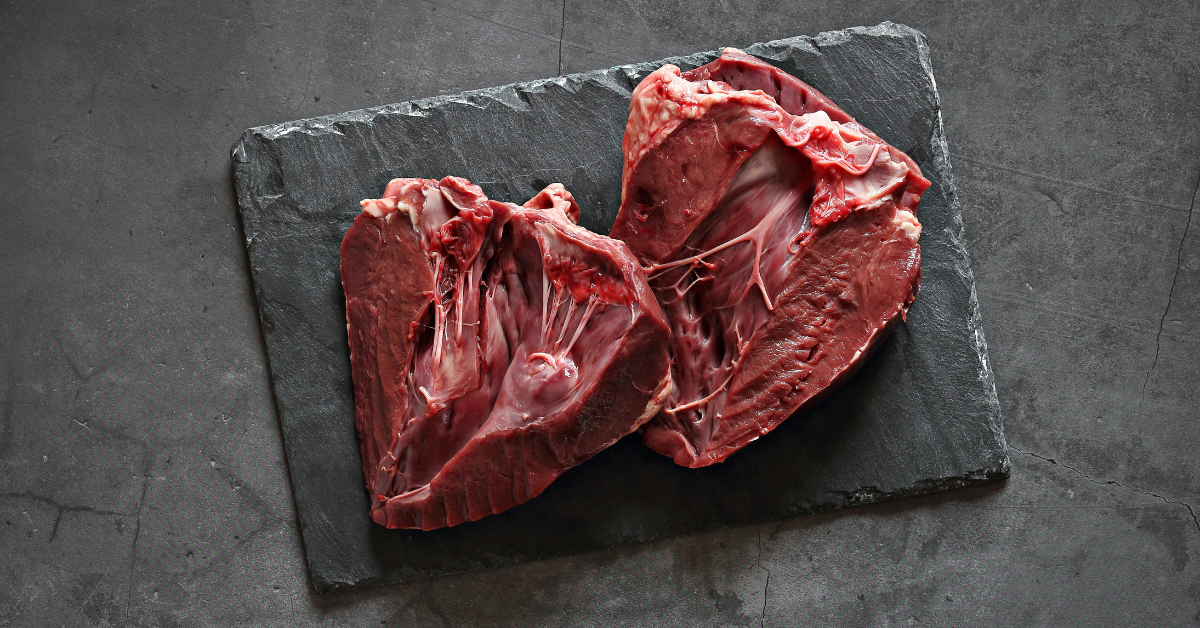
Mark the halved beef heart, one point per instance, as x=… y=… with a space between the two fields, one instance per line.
x=779 y=236
x=492 y=348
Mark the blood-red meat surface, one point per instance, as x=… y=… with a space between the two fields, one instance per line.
x=779 y=236
x=492 y=348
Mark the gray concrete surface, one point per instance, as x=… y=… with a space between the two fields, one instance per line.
x=143 y=480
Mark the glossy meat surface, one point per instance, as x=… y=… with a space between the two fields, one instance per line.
x=492 y=348
x=779 y=236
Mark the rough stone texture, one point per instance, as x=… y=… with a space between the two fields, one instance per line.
x=134 y=364
x=921 y=415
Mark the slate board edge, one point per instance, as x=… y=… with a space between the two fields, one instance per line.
x=510 y=94
x=842 y=500
x=622 y=76
x=941 y=157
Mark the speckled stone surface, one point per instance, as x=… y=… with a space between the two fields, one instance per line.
x=143 y=479
x=921 y=416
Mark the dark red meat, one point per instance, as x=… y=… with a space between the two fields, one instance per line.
x=779 y=236
x=492 y=348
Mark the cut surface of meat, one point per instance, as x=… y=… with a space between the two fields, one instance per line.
x=779 y=236
x=492 y=348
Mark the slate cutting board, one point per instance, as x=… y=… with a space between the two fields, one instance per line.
x=921 y=415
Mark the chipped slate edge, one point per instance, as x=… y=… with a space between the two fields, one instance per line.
x=957 y=235
x=512 y=96
x=624 y=78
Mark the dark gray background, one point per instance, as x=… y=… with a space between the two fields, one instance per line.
x=143 y=477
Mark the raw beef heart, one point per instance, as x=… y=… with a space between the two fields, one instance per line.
x=779 y=236
x=492 y=348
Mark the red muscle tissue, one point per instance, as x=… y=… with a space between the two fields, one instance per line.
x=492 y=348
x=766 y=243
x=779 y=236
